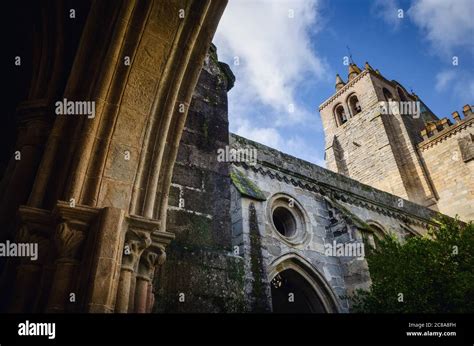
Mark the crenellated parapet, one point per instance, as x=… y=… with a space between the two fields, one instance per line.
x=434 y=127
x=437 y=131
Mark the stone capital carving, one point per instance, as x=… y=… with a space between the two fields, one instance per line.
x=135 y=243
x=28 y=235
x=150 y=259
x=68 y=241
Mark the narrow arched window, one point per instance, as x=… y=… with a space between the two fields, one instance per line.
x=401 y=94
x=388 y=95
x=354 y=105
x=340 y=115
x=370 y=238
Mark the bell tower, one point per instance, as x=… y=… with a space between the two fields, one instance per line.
x=372 y=127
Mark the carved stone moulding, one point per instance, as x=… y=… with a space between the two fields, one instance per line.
x=73 y=223
x=151 y=226
x=80 y=216
x=65 y=226
x=144 y=233
x=35 y=226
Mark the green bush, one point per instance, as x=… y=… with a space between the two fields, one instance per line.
x=430 y=274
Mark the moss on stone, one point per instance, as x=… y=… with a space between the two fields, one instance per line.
x=196 y=233
x=226 y=73
x=236 y=271
x=213 y=53
x=246 y=187
x=259 y=303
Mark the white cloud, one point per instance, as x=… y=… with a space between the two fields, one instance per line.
x=456 y=81
x=276 y=62
x=297 y=147
x=273 y=50
x=270 y=136
x=388 y=10
x=443 y=79
x=265 y=135
x=447 y=24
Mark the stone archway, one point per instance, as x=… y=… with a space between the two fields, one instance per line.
x=97 y=207
x=298 y=287
x=292 y=293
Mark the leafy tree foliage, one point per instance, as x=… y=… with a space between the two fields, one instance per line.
x=430 y=274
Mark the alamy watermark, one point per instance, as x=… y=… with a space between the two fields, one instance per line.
x=412 y=108
x=67 y=107
x=10 y=249
x=354 y=249
x=37 y=329
x=245 y=155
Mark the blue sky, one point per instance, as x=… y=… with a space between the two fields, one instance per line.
x=285 y=54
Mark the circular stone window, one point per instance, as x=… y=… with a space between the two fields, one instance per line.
x=288 y=219
x=284 y=221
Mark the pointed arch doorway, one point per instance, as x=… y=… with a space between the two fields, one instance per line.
x=296 y=287
x=291 y=293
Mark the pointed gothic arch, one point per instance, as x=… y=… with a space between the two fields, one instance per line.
x=137 y=63
x=299 y=277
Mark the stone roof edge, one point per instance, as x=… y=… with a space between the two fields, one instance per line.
x=308 y=183
x=339 y=194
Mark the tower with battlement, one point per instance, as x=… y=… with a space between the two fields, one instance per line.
x=447 y=151
x=384 y=136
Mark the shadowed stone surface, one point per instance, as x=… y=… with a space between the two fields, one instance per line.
x=201 y=263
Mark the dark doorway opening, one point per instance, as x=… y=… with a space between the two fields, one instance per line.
x=292 y=293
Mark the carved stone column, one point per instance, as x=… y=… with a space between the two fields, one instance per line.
x=138 y=266
x=29 y=270
x=136 y=111
x=33 y=129
x=136 y=242
x=151 y=298
x=151 y=258
x=68 y=241
x=108 y=241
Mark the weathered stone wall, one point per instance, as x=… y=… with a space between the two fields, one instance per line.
x=274 y=246
x=449 y=158
x=247 y=237
x=137 y=63
x=333 y=208
x=200 y=261
x=274 y=159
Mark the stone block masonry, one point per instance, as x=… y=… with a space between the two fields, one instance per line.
x=448 y=154
x=326 y=208
x=202 y=273
x=413 y=155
